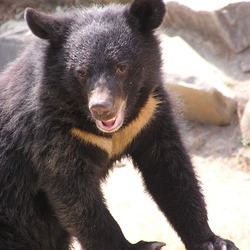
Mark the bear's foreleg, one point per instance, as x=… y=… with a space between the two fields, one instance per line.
x=170 y=179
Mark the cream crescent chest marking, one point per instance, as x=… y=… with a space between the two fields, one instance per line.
x=122 y=138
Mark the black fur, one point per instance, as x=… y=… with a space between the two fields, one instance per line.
x=53 y=156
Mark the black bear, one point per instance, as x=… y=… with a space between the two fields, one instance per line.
x=85 y=93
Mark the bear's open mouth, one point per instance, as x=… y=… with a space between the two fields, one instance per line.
x=113 y=124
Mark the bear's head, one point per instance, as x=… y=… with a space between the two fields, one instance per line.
x=108 y=57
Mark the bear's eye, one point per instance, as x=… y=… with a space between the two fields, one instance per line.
x=121 y=69
x=82 y=73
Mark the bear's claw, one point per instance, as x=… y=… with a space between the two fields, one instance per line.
x=143 y=245
x=216 y=243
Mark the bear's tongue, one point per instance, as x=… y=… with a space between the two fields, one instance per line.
x=110 y=123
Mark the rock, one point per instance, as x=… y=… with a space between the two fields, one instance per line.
x=224 y=25
x=13 y=36
x=245 y=125
x=245 y=66
x=204 y=106
x=204 y=98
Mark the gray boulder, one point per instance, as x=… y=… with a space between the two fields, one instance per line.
x=199 y=85
x=222 y=24
x=13 y=37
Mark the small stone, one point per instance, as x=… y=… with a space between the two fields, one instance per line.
x=245 y=66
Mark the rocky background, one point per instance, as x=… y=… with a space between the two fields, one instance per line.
x=206 y=55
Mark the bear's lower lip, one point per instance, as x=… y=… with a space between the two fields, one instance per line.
x=113 y=124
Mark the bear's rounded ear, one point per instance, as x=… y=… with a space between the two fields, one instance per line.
x=149 y=13
x=44 y=26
